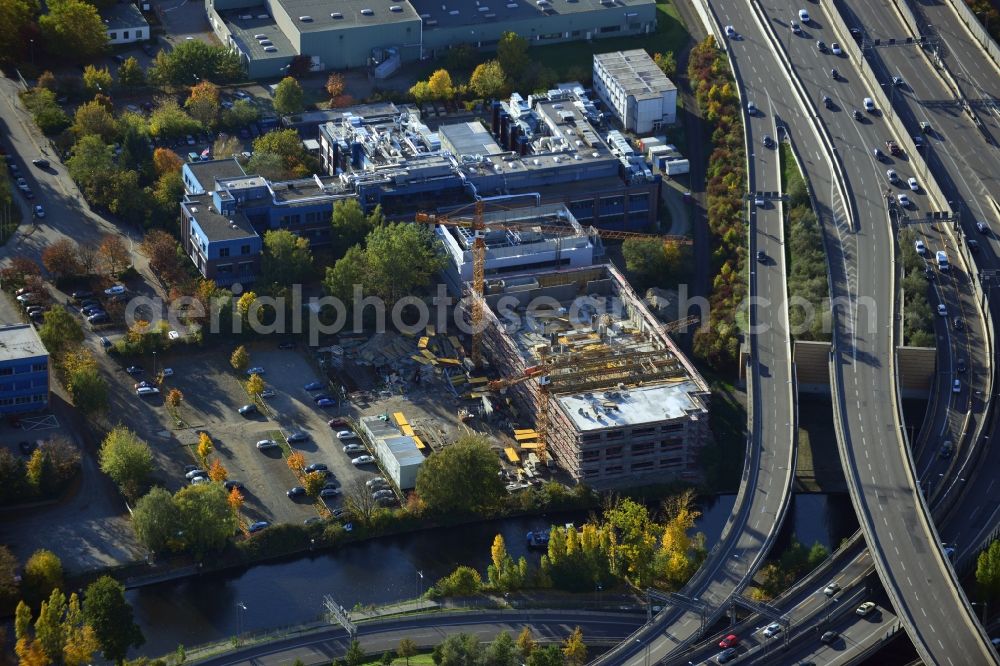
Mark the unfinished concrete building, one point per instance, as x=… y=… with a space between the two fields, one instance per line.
x=618 y=402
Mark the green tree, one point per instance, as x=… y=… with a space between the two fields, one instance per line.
x=512 y=52
x=635 y=547
x=206 y=518
x=525 y=643
x=407 y=648
x=47 y=114
x=385 y=659
x=92 y=166
x=16 y=19
x=666 y=62
x=501 y=651
x=440 y=85
x=38 y=471
x=169 y=120
x=110 y=615
x=49 y=626
x=192 y=61
x=22 y=621
x=460 y=650
x=43 y=572
x=240 y=359
x=88 y=388
x=988 y=571
x=488 y=80
x=287 y=258
x=680 y=553
x=79 y=641
x=546 y=656
x=242 y=113
x=421 y=92
x=131 y=75
x=354 y=656
x=288 y=96
x=349 y=270
x=9 y=587
x=73 y=28
x=93 y=118
x=127 y=459
x=156 y=520
x=59 y=330
x=350 y=224
x=401 y=259
x=461 y=479
x=287 y=146
x=13 y=484
x=462 y=582
x=203 y=104
x=574 y=649
x=96 y=80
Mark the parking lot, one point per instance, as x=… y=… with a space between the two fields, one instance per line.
x=212 y=395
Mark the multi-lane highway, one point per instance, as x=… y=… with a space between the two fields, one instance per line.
x=903 y=543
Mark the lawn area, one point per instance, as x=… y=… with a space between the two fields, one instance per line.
x=790 y=173
x=670 y=35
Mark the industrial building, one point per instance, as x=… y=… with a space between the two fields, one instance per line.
x=632 y=85
x=24 y=370
x=383 y=34
x=519 y=241
x=398 y=453
x=546 y=149
x=617 y=400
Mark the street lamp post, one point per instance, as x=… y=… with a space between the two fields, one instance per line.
x=419 y=583
x=32 y=43
x=240 y=609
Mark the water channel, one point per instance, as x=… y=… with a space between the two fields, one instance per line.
x=209 y=608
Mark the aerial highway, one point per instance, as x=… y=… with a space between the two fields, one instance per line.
x=966 y=166
x=904 y=544
x=766 y=485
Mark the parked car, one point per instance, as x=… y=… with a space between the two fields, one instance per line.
x=346 y=434
x=382 y=492
x=144 y=384
x=329 y=492
x=296 y=491
x=229 y=485
x=265 y=444
x=337 y=423
x=354 y=448
x=39 y=211
x=313 y=386
x=317 y=467
x=256 y=370
x=195 y=472
x=268 y=393
x=88 y=310
x=320 y=396
x=377 y=482
x=362 y=460
x=81 y=295
x=134 y=370
x=297 y=437
x=114 y=290
x=199 y=480
x=99 y=318
x=259 y=525
x=246 y=410
x=326 y=402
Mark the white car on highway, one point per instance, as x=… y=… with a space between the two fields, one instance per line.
x=942 y=309
x=803 y=16
x=730 y=31
x=920 y=248
x=772 y=630
x=835 y=49
x=903 y=200
x=912 y=182
x=892 y=176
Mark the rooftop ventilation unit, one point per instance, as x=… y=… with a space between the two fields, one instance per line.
x=336 y=15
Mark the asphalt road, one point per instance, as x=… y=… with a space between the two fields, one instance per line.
x=770 y=469
x=429 y=630
x=906 y=548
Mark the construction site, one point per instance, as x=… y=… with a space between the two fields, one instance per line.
x=566 y=370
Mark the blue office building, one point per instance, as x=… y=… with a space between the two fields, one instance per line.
x=24 y=370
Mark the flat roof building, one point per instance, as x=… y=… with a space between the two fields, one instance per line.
x=623 y=405
x=397 y=452
x=384 y=34
x=24 y=370
x=636 y=89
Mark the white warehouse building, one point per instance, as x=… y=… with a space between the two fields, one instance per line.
x=397 y=452
x=640 y=94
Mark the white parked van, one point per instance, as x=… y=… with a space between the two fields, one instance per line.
x=942 y=260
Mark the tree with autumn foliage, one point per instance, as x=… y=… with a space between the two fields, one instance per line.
x=574 y=649
x=235 y=500
x=246 y=302
x=114 y=255
x=205 y=448
x=296 y=462
x=166 y=161
x=162 y=250
x=335 y=85
x=313 y=482
x=61 y=259
x=240 y=359
x=255 y=385
x=217 y=472
x=203 y=103
x=18 y=271
x=174 y=399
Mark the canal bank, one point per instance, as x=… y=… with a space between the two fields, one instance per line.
x=214 y=606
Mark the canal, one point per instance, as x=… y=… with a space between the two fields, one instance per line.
x=209 y=607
